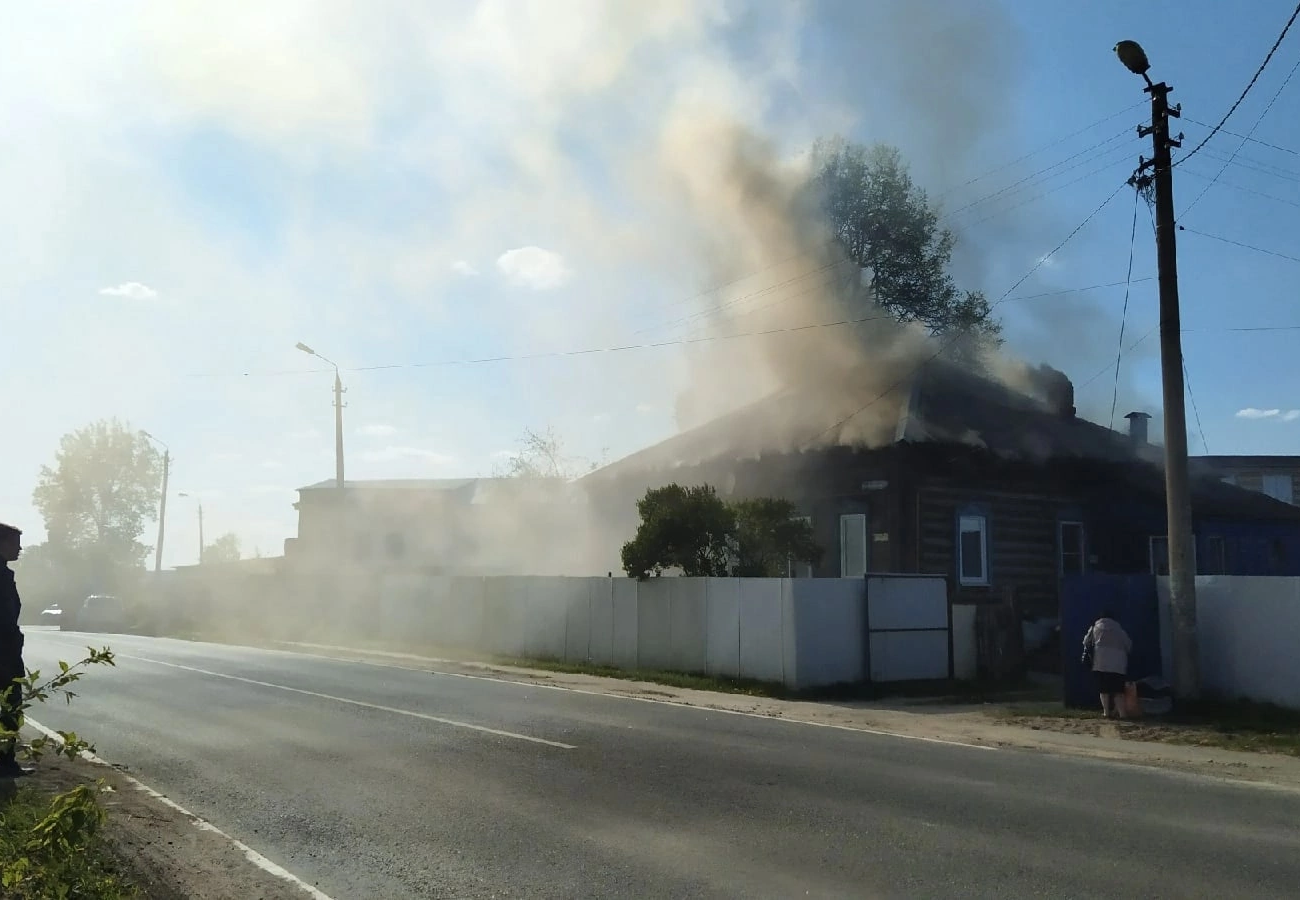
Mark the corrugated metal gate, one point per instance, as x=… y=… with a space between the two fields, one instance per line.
x=909 y=628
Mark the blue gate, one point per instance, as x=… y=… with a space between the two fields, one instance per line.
x=1132 y=599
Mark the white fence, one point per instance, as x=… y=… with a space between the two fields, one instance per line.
x=1247 y=627
x=803 y=633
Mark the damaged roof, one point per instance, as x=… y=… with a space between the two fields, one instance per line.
x=938 y=403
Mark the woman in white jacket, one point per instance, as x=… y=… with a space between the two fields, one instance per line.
x=1109 y=645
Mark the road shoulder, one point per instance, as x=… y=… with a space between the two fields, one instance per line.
x=966 y=724
x=169 y=854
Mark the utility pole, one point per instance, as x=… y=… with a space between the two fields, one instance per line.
x=338 y=430
x=1178 y=501
x=162 y=512
x=200 y=532
x=162 y=503
x=338 y=414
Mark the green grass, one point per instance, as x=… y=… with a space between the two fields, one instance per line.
x=82 y=871
x=942 y=691
x=1212 y=722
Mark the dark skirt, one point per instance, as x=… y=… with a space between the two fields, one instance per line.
x=1109 y=682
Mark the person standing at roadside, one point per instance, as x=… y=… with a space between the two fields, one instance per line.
x=11 y=650
x=1109 y=646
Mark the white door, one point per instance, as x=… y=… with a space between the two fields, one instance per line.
x=853 y=545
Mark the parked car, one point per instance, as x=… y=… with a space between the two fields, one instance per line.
x=98 y=612
x=52 y=615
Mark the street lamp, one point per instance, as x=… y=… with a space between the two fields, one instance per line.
x=162 y=503
x=200 y=502
x=1178 y=502
x=338 y=414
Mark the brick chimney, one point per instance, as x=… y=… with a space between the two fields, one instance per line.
x=1137 y=428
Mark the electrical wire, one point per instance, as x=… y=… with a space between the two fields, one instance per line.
x=1260 y=71
x=1215 y=237
x=1256 y=165
x=1037 y=197
x=1187 y=380
x=1106 y=368
x=1123 y=319
x=1286 y=81
x=946 y=345
x=1243 y=189
x=1253 y=140
x=1043 y=149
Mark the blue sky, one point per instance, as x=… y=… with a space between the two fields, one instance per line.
x=415 y=185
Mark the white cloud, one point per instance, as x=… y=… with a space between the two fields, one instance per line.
x=131 y=290
x=645 y=408
x=533 y=267
x=394 y=453
x=464 y=267
x=377 y=430
x=272 y=464
x=1251 y=412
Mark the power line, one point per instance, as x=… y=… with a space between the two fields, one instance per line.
x=1245 y=190
x=1215 y=237
x=1044 y=148
x=1266 y=111
x=1033 y=175
x=964 y=331
x=1255 y=165
x=1037 y=197
x=1106 y=368
x=1187 y=379
x=1253 y=140
x=1260 y=71
x=1123 y=319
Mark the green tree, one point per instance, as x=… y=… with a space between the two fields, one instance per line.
x=887 y=226
x=769 y=535
x=98 y=495
x=224 y=549
x=687 y=528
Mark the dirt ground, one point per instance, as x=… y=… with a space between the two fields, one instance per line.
x=168 y=854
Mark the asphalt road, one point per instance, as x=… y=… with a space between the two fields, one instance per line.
x=377 y=782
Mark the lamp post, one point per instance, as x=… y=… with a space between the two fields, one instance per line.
x=338 y=414
x=200 y=503
x=1178 y=502
x=162 y=503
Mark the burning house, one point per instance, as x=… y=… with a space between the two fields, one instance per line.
x=1003 y=489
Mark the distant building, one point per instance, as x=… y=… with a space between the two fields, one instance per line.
x=467 y=526
x=1272 y=476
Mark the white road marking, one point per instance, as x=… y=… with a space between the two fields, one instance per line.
x=571 y=690
x=388 y=709
x=250 y=854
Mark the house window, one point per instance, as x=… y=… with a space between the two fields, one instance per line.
x=972 y=550
x=1280 y=487
x=1071 y=539
x=1159 y=555
x=1215 y=560
x=853 y=545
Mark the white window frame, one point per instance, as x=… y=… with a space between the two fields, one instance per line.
x=981 y=524
x=1060 y=546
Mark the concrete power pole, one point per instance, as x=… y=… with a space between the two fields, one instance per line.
x=162 y=512
x=338 y=430
x=1178 y=501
